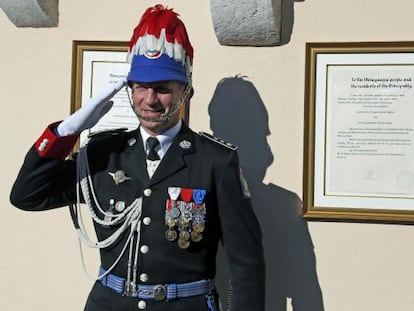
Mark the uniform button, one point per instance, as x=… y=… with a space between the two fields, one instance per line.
x=147 y=192
x=144 y=249
x=142 y=304
x=143 y=277
x=146 y=221
x=43 y=144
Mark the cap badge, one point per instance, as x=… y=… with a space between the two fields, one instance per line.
x=119 y=177
x=152 y=53
x=185 y=144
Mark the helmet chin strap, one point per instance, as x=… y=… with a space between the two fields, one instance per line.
x=185 y=96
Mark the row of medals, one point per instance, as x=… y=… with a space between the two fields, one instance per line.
x=185 y=221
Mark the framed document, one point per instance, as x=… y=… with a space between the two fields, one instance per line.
x=359 y=131
x=96 y=65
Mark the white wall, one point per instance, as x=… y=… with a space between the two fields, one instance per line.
x=354 y=266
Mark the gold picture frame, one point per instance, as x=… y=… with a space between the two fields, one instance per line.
x=358 y=134
x=95 y=64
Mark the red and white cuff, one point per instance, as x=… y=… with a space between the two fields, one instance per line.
x=51 y=145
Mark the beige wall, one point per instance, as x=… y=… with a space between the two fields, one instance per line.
x=358 y=266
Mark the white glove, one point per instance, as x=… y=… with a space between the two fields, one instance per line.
x=94 y=109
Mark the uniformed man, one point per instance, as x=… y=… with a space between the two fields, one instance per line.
x=161 y=197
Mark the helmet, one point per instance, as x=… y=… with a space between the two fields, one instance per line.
x=160 y=49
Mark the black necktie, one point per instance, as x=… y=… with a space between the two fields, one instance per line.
x=152 y=143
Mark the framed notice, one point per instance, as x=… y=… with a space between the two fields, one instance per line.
x=96 y=65
x=359 y=131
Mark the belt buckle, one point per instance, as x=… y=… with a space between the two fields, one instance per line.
x=160 y=292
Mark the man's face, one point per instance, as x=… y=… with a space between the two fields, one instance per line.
x=154 y=100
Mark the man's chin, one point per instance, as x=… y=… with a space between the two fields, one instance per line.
x=152 y=124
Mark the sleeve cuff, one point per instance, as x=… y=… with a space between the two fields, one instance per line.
x=50 y=145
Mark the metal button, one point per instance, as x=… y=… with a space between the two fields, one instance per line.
x=144 y=249
x=43 y=144
x=142 y=304
x=143 y=277
x=147 y=192
x=147 y=221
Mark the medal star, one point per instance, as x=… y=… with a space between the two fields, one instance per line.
x=119 y=177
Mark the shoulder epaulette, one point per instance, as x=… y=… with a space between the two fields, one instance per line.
x=218 y=140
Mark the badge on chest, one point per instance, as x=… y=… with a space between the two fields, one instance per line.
x=185 y=215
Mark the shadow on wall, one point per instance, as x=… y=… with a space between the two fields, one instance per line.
x=238 y=115
x=287 y=20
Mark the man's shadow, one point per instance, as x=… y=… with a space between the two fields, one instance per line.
x=238 y=115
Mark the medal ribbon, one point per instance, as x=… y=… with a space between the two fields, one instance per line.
x=174 y=192
x=199 y=195
x=168 y=205
x=186 y=194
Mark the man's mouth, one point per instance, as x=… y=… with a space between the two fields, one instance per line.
x=153 y=113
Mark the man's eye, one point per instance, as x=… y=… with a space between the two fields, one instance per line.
x=162 y=90
x=139 y=87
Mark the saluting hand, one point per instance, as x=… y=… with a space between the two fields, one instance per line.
x=95 y=108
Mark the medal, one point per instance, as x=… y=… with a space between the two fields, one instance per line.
x=172 y=213
x=199 y=220
x=185 y=219
x=120 y=206
x=174 y=193
x=175 y=212
x=184 y=235
x=182 y=223
x=171 y=235
x=171 y=210
x=183 y=244
x=170 y=222
x=186 y=213
x=196 y=236
x=198 y=228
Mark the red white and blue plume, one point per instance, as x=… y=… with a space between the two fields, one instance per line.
x=160 y=49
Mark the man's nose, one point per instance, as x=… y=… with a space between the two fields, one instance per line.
x=151 y=96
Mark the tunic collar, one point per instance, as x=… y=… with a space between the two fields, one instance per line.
x=165 y=138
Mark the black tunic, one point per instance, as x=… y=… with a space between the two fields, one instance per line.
x=193 y=161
